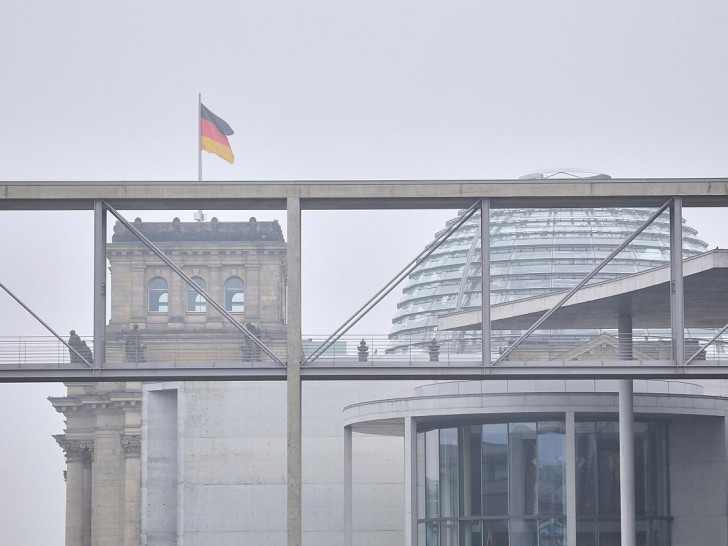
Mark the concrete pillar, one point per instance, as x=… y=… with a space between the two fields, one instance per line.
x=348 y=489
x=99 y=283
x=677 y=303
x=294 y=353
x=485 y=277
x=626 y=463
x=570 y=479
x=410 y=482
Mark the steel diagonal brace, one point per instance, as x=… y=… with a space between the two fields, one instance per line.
x=36 y=317
x=585 y=280
x=697 y=353
x=192 y=284
x=391 y=285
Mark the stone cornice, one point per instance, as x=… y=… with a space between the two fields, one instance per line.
x=91 y=403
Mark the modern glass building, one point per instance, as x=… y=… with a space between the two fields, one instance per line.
x=532 y=252
x=537 y=463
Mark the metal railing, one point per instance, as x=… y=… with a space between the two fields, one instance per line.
x=361 y=350
x=24 y=351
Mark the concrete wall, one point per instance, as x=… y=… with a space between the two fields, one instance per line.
x=698 y=481
x=160 y=467
x=232 y=457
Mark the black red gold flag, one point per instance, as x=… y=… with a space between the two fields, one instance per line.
x=214 y=133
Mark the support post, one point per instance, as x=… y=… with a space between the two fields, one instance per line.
x=348 y=488
x=485 y=277
x=294 y=354
x=99 y=283
x=570 y=479
x=677 y=303
x=410 y=482
x=626 y=463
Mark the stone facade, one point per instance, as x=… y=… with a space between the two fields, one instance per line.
x=102 y=439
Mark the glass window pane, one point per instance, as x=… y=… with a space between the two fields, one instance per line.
x=234 y=295
x=551 y=468
x=195 y=302
x=609 y=532
x=552 y=532
x=432 y=531
x=471 y=533
x=432 y=474
x=495 y=469
x=158 y=295
x=641 y=454
x=495 y=532
x=586 y=533
x=449 y=533
x=449 y=474
x=524 y=532
x=586 y=469
x=522 y=468
x=658 y=470
x=608 y=463
x=470 y=468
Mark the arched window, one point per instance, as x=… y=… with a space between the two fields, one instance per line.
x=195 y=302
x=234 y=295
x=158 y=295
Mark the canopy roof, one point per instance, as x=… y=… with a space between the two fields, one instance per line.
x=645 y=295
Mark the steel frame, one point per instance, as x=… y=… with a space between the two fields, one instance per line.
x=108 y=196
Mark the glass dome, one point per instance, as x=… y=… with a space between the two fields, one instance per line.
x=533 y=252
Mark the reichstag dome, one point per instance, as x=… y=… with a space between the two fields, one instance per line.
x=533 y=251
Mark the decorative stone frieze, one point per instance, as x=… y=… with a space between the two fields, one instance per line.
x=131 y=444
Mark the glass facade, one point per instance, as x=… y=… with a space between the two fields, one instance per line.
x=532 y=252
x=504 y=484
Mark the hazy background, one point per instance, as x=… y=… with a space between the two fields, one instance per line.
x=324 y=90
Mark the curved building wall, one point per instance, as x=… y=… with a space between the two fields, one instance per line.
x=503 y=463
x=533 y=252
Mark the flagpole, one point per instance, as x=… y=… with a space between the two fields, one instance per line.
x=199 y=137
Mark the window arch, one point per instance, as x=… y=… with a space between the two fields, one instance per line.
x=158 y=295
x=195 y=302
x=234 y=295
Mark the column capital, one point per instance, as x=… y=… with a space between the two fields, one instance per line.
x=76 y=450
x=131 y=445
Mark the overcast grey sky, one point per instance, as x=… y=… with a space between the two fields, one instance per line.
x=326 y=89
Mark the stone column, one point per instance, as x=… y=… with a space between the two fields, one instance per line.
x=87 y=460
x=75 y=451
x=107 y=479
x=215 y=289
x=131 y=447
x=138 y=294
x=252 y=292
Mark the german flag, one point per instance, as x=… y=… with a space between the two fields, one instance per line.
x=213 y=132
